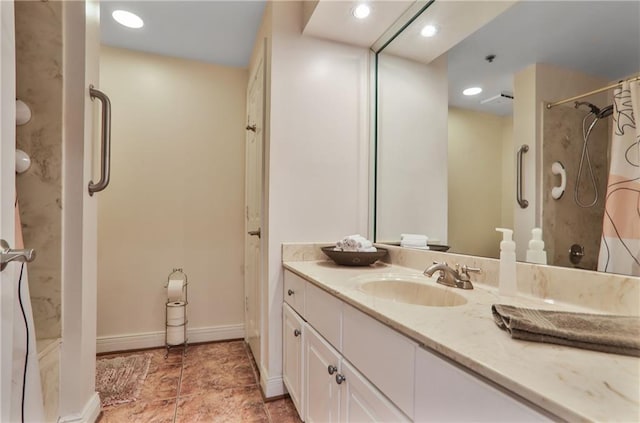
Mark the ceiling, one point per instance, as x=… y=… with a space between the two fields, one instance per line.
x=598 y=38
x=220 y=32
x=333 y=20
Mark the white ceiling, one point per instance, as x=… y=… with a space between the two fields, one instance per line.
x=333 y=20
x=220 y=32
x=598 y=38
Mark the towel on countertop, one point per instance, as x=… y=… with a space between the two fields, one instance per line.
x=598 y=332
x=355 y=243
x=413 y=240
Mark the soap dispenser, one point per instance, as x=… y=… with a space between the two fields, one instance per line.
x=507 y=284
x=536 y=253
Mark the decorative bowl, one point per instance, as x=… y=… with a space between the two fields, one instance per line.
x=354 y=258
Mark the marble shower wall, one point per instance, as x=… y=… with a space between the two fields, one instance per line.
x=39 y=84
x=564 y=222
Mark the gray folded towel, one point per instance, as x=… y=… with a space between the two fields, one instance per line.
x=606 y=333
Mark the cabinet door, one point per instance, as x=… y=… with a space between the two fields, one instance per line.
x=322 y=393
x=293 y=356
x=447 y=393
x=362 y=402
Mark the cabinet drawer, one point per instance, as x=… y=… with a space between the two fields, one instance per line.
x=323 y=311
x=294 y=287
x=383 y=355
x=447 y=393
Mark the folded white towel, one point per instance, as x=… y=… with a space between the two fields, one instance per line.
x=413 y=243
x=354 y=243
x=413 y=237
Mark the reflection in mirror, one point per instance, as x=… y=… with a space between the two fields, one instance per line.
x=446 y=162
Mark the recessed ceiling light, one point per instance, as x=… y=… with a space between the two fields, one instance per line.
x=128 y=19
x=361 y=11
x=472 y=91
x=429 y=31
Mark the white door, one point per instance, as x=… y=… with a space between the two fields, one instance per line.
x=7 y=196
x=253 y=207
x=322 y=392
x=361 y=402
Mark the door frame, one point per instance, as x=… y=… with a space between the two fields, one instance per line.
x=7 y=198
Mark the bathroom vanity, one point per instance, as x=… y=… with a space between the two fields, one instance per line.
x=352 y=353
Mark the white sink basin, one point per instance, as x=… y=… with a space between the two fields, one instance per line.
x=411 y=290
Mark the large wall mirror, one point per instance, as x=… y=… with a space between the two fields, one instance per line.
x=446 y=162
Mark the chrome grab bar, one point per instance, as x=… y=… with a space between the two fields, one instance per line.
x=105 y=141
x=521 y=201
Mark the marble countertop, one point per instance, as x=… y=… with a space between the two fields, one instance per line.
x=571 y=383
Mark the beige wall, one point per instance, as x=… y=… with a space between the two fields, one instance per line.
x=177 y=192
x=475 y=181
x=508 y=174
x=39 y=84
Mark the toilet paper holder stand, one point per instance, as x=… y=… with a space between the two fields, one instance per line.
x=167 y=325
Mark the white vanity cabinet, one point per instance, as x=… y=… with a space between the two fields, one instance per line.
x=337 y=392
x=342 y=365
x=293 y=356
x=447 y=393
x=323 y=385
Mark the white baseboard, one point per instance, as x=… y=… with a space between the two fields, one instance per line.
x=89 y=414
x=136 y=341
x=273 y=387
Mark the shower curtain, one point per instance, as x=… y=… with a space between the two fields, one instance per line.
x=620 y=245
x=33 y=405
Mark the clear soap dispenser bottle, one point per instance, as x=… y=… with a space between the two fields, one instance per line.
x=507 y=284
x=536 y=252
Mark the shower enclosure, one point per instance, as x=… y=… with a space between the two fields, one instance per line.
x=572 y=220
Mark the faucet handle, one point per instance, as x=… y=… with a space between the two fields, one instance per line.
x=464 y=270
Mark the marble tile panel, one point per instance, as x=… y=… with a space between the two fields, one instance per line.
x=604 y=292
x=217 y=351
x=39 y=84
x=304 y=251
x=242 y=405
x=158 y=411
x=204 y=375
x=162 y=382
x=282 y=411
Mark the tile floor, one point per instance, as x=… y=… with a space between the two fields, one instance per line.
x=214 y=382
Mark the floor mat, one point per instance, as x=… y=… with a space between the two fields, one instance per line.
x=119 y=379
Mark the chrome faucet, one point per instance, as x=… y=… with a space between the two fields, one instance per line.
x=457 y=278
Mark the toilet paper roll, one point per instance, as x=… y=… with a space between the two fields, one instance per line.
x=175 y=313
x=175 y=335
x=174 y=289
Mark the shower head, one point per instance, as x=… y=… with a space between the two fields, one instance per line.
x=607 y=111
x=594 y=109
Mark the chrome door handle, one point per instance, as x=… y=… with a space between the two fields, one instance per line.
x=255 y=233
x=340 y=378
x=521 y=201
x=332 y=369
x=7 y=255
x=105 y=141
